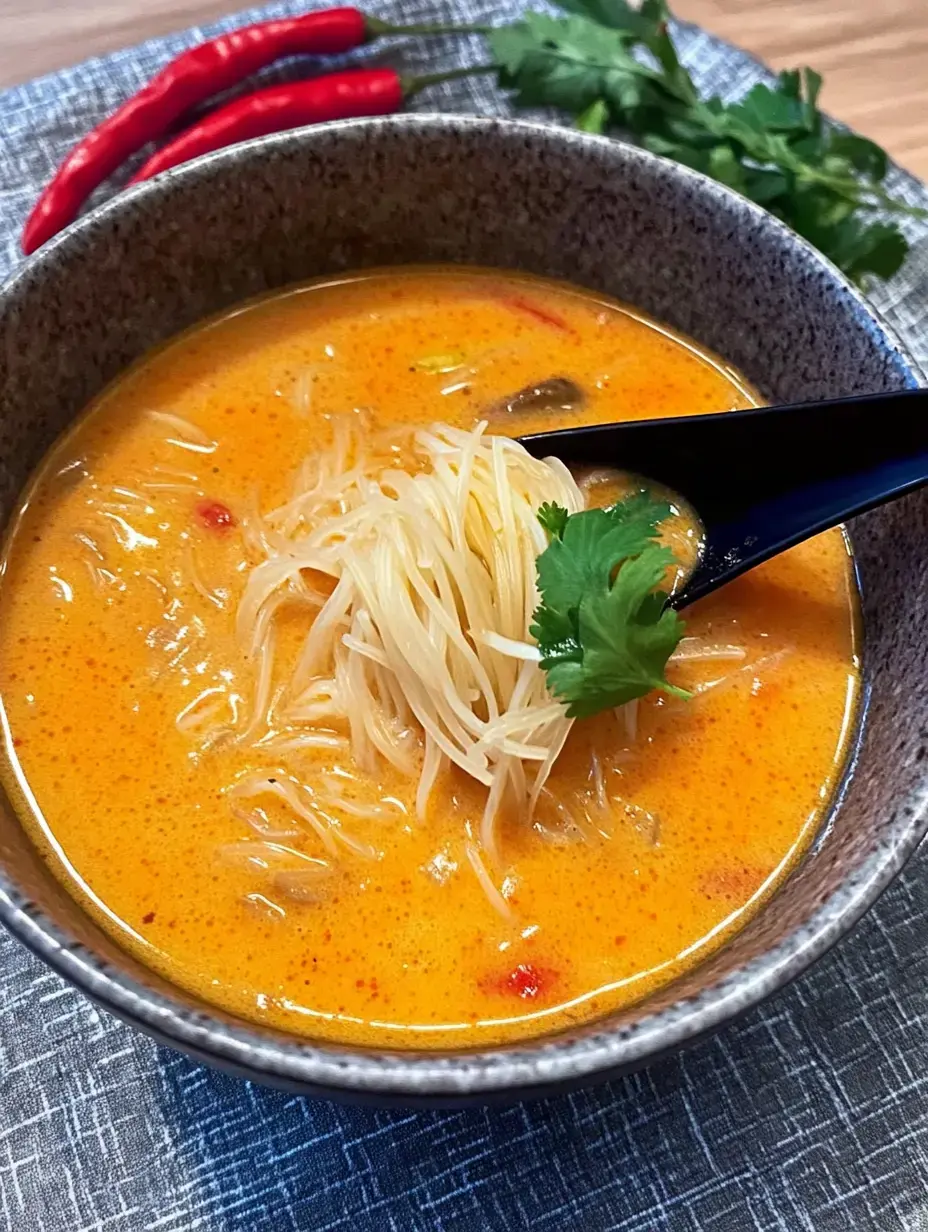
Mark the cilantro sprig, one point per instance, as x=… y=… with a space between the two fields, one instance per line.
x=603 y=627
x=616 y=67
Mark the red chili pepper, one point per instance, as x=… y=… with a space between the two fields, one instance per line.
x=526 y=981
x=215 y=515
x=187 y=81
x=518 y=304
x=338 y=96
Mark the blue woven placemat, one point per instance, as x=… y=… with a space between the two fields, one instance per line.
x=811 y=1114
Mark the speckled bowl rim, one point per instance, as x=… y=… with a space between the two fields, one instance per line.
x=528 y=1067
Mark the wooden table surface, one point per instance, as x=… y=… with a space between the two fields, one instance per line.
x=873 y=53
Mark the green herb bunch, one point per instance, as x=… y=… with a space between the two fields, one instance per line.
x=603 y=628
x=615 y=67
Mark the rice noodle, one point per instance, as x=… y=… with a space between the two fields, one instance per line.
x=90 y=543
x=432 y=763
x=569 y=828
x=185 y=435
x=289 y=741
x=298 y=884
x=647 y=825
x=302 y=397
x=742 y=674
x=508 y=646
x=422 y=644
x=259 y=853
x=599 y=784
x=205 y=706
x=695 y=650
x=257 y=785
x=196 y=580
x=262 y=825
x=167 y=485
x=486 y=881
x=263 y=908
x=173 y=473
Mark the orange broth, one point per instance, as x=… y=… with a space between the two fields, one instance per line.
x=117 y=610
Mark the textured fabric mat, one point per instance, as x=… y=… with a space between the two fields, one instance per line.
x=811 y=1113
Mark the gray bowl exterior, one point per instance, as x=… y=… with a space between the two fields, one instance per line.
x=553 y=202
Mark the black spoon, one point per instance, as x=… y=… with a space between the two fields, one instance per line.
x=763 y=480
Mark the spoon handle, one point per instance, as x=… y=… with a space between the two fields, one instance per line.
x=763 y=480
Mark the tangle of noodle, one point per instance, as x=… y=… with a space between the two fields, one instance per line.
x=422 y=643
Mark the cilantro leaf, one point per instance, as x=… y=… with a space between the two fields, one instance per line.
x=591 y=543
x=572 y=62
x=617 y=15
x=626 y=644
x=595 y=119
x=553 y=518
x=613 y=65
x=602 y=627
x=764 y=110
x=864 y=156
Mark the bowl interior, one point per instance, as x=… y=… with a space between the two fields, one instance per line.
x=420 y=189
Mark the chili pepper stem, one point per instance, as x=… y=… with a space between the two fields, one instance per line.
x=381 y=29
x=413 y=85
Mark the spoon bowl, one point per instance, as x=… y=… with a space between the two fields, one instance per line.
x=762 y=480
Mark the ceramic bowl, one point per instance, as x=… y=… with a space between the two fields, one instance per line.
x=555 y=202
